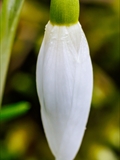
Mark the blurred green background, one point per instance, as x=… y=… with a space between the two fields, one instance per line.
x=22 y=137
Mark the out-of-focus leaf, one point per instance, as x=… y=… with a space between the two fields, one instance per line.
x=9 y=18
x=14 y=110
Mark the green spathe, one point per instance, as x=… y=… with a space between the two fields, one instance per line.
x=64 y=12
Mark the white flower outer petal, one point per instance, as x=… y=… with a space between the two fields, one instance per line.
x=64 y=86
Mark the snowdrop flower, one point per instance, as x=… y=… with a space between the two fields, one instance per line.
x=64 y=80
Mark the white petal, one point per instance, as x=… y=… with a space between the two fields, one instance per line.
x=64 y=85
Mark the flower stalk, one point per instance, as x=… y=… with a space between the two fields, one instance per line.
x=64 y=12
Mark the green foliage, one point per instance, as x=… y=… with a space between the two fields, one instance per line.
x=9 y=19
x=9 y=112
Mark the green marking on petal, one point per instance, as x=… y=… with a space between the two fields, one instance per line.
x=64 y=12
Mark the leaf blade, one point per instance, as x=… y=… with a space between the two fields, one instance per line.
x=14 y=110
x=9 y=20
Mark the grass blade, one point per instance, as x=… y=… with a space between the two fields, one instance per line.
x=9 y=18
x=14 y=110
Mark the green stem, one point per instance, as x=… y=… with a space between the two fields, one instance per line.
x=64 y=12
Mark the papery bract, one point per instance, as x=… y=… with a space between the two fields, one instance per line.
x=64 y=86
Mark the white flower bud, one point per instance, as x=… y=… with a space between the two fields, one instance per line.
x=64 y=86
